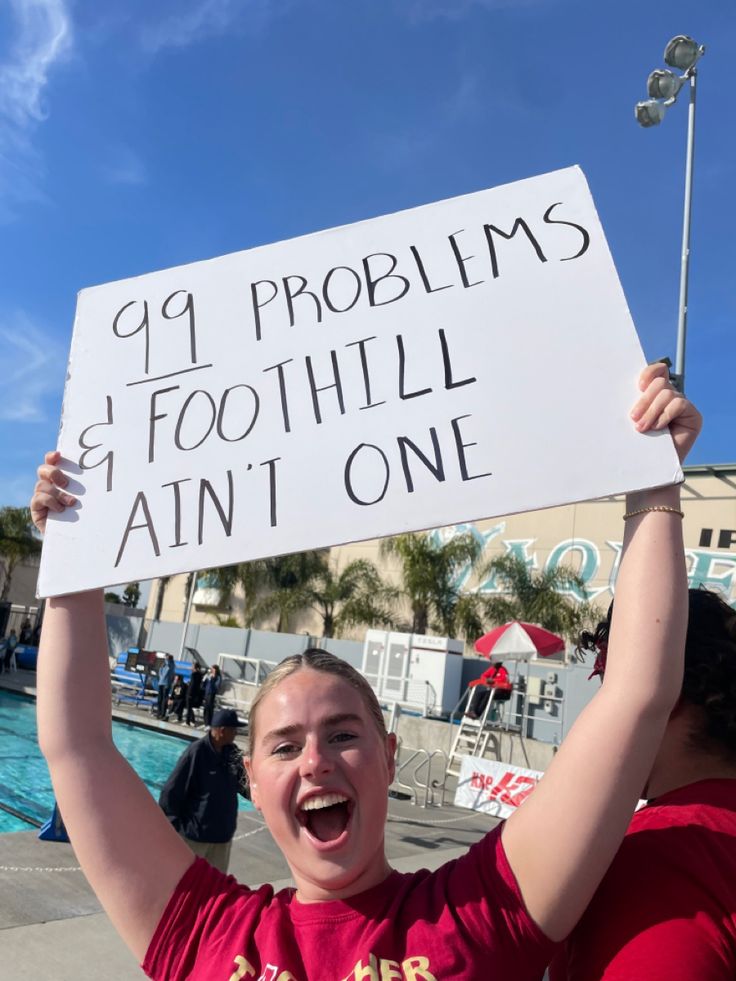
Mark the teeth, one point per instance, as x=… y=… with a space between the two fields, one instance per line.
x=325 y=800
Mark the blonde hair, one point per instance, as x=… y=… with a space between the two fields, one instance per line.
x=317 y=660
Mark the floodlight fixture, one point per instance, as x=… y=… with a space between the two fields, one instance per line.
x=650 y=112
x=664 y=84
x=682 y=52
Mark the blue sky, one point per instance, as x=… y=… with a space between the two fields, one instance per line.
x=138 y=136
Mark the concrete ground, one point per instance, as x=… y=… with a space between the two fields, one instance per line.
x=52 y=925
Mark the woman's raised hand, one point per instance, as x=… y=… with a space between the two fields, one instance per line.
x=661 y=405
x=49 y=494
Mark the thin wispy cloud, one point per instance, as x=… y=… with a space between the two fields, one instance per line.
x=190 y=23
x=400 y=150
x=408 y=147
x=193 y=21
x=464 y=100
x=21 y=173
x=125 y=166
x=33 y=370
x=42 y=38
x=457 y=9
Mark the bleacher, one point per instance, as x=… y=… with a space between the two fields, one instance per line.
x=134 y=680
x=134 y=676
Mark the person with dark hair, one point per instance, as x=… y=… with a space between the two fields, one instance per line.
x=177 y=698
x=494 y=679
x=320 y=766
x=666 y=908
x=210 y=688
x=194 y=693
x=26 y=631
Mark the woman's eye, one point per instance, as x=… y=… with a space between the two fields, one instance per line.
x=285 y=749
x=343 y=737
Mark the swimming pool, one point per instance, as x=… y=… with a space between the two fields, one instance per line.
x=25 y=785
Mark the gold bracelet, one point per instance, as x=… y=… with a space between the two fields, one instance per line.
x=654 y=507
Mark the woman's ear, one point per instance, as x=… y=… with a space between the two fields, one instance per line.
x=391 y=755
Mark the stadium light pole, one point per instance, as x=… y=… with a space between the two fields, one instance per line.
x=663 y=86
x=187 y=613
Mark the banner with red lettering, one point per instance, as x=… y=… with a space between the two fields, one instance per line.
x=466 y=359
x=492 y=787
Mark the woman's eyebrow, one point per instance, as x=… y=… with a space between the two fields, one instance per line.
x=283 y=732
x=340 y=718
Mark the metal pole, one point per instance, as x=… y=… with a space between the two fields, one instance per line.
x=685 y=259
x=187 y=615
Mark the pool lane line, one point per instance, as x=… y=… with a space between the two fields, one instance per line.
x=40 y=868
x=22 y=817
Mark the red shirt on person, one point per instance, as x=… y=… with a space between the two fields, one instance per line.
x=496 y=676
x=666 y=909
x=500 y=678
x=466 y=922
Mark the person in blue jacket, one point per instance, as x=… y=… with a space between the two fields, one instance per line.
x=200 y=798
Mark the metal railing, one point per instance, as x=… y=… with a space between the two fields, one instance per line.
x=432 y=786
x=130 y=687
x=252 y=671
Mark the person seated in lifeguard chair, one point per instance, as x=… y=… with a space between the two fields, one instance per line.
x=496 y=679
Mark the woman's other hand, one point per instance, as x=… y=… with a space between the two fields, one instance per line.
x=49 y=493
x=661 y=405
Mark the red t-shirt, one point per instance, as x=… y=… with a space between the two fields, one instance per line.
x=466 y=921
x=666 y=909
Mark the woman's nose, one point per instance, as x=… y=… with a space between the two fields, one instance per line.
x=315 y=760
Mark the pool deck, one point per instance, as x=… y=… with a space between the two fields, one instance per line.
x=53 y=926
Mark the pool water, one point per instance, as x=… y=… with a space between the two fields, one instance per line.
x=25 y=784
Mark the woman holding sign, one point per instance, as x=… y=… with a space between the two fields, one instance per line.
x=320 y=764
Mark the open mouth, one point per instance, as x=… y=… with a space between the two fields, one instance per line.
x=326 y=816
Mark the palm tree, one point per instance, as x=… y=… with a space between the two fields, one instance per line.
x=536 y=597
x=131 y=594
x=352 y=597
x=226 y=620
x=163 y=582
x=287 y=582
x=273 y=585
x=430 y=571
x=249 y=576
x=18 y=541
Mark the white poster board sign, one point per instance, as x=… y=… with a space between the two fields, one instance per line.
x=492 y=787
x=462 y=360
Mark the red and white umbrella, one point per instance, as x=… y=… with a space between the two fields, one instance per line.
x=517 y=641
